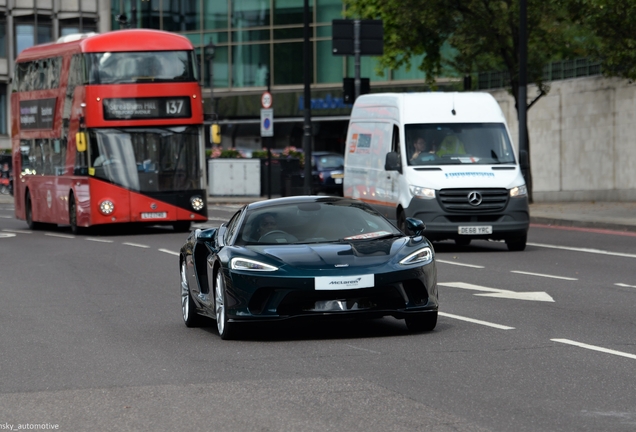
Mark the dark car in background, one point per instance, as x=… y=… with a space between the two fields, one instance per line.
x=327 y=172
x=286 y=258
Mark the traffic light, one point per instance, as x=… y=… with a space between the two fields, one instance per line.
x=215 y=133
x=349 y=90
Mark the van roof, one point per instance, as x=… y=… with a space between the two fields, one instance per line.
x=435 y=107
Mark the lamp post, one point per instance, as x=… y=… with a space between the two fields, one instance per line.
x=209 y=56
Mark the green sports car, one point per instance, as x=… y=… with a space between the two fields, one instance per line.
x=308 y=256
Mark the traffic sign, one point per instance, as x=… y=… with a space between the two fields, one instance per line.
x=266 y=100
x=267 y=122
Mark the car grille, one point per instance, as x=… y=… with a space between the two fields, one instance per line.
x=457 y=200
x=299 y=302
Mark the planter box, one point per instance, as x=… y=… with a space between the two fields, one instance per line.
x=234 y=177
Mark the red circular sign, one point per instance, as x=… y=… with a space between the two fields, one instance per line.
x=266 y=100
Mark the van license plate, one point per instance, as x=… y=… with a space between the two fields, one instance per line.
x=475 y=230
x=155 y=215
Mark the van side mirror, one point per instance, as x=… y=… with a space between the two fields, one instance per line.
x=80 y=141
x=392 y=162
x=415 y=226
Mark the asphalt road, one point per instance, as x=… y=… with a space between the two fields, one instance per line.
x=92 y=339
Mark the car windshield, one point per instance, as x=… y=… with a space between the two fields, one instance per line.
x=326 y=162
x=325 y=220
x=458 y=143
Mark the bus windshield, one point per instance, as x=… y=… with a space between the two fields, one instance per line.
x=147 y=159
x=141 y=67
x=458 y=143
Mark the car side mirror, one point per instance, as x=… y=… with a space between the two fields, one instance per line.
x=416 y=226
x=392 y=162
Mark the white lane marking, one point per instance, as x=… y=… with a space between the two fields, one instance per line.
x=459 y=264
x=137 y=245
x=363 y=349
x=499 y=293
x=98 y=240
x=18 y=231
x=169 y=252
x=596 y=251
x=6 y=235
x=595 y=348
x=474 y=321
x=625 y=285
x=60 y=235
x=543 y=275
x=6 y=217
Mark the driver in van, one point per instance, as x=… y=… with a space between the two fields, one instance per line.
x=421 y=147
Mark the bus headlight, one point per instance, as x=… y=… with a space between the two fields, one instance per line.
x=106 y=207
x=197 y=203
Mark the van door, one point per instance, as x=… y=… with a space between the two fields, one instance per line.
x=392 y=179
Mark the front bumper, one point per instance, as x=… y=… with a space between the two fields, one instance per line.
x=510 y=222
x=274 y=298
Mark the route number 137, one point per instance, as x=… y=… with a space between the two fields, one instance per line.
x=174 y=106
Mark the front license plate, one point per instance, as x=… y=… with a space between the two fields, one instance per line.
x=154 y=215
x=475 y=230
x=326 y=283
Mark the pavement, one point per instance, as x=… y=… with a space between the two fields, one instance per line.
x=616 y=216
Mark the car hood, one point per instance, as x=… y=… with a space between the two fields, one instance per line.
x=329 y=255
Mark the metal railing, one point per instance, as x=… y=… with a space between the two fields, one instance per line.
x=554 y=71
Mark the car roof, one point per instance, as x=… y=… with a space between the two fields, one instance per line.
x=300 y=199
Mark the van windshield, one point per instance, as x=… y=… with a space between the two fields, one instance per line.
x=458 y=143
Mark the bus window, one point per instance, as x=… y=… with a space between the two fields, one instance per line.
x=135 y=67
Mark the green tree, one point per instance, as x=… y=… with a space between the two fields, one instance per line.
x=483 y=35
x=612 y=34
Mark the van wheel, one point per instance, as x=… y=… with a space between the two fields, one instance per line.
x=517 y=243
x=401 y=222
x=29 y=214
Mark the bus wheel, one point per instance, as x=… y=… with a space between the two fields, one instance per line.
x=29 y=214
x=72 y=215
x=181 y=226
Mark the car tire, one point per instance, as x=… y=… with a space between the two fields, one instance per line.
x=422 y=322
x=516 y=244
x=227 y=330
x=188 y=309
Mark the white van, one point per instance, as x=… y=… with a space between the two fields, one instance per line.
x=465 y=182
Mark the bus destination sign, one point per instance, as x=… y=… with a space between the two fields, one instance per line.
x=147 y=108
x=37 y=113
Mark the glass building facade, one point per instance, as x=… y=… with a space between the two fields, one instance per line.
x=245 y=47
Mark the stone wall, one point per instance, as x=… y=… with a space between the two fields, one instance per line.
x=582 y=139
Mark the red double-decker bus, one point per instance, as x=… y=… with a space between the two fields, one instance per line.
x=108 y=128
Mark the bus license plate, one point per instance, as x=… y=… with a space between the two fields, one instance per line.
x=154 y=215
x=475 y=230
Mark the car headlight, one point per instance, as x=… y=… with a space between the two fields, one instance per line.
x=197 y=203
x=519 y=191
x=106 y=207
x=422 y=192
x=248 y=264
x=421 y=256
